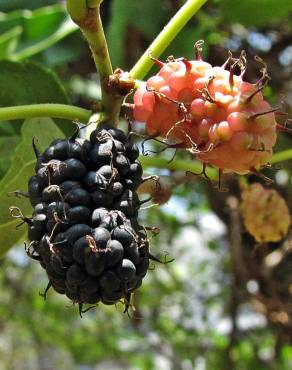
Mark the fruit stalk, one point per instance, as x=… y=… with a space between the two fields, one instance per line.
x=64 y=111
x=86 y=14
x=170 y=31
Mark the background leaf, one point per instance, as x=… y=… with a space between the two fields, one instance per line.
x=27 y=83
x=7 y=5
x=26 y=33
x=138 y=14
x=21 y=169
x=255 y=12
x=6 y=143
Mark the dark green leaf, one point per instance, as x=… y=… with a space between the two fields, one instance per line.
x=255 y=12
x=29 y=83
x=139 y=14
x=150 y=18
x=116 y=30
x=7 y=5
x=65 y=51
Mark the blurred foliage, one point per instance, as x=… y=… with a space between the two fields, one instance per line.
x=26 y=33
x=129 y=12
x=255 y=13
x=8 y=5
x=184 y=314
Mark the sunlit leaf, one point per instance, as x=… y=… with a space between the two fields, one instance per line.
x=22 y=167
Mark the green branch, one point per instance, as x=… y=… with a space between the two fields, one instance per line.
x=69 y=112
x=196 y=166
x=175 y=25
x=177 y=165
x=86 y=14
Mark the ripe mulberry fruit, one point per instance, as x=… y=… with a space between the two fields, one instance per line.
x=210 y=111
x=84 y=229
x=265 y=213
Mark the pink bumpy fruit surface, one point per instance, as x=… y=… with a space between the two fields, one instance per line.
x=211 y=112
x=265 y=213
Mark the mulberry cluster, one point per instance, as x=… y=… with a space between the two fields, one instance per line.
x=84 y=229
x=265 y=213
x=209 y=110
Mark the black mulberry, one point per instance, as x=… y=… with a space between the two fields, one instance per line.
x=85 y=205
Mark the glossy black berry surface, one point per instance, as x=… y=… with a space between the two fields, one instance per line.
x=85 y=205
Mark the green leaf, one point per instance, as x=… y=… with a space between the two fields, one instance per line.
x=29 y=83
x=32 y=48
x=35 y=31
x=42 y=22
x=26 y=83
x=287 y=353
x=67 y=50
x=9 y=137
x=7 y=129
x=116 y=30
x=7 y=5
x=6 y=143
x=145 y=20
x=140 y=14
x=255 y=12
x=21 y=169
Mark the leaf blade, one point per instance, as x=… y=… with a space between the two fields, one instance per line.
x=22 y=167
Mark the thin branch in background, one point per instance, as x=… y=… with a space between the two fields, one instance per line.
x=237 y=273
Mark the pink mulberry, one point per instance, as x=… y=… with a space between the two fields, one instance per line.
x=210 y=111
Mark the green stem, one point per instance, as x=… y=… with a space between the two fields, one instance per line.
x=284 y=155
x=77 y=9
x=195 y=166
x=178 y=165
x=69 y=112
x=93 y=3
x=175 y=25
x=86 y=14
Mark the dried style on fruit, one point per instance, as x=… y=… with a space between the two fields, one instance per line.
x=265 y=213
x=211 y=111
x=84 y=229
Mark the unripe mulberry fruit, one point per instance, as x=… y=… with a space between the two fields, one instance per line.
x=84 y=229
x=210 y=111
x=265 y=213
